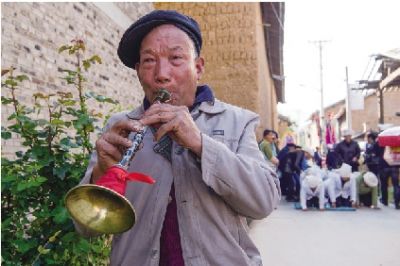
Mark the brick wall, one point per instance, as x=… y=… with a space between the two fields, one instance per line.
x=32 y=34
x=392 y=105
x=369 y=115
x=234 y=51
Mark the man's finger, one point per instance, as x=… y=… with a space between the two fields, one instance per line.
x=104 y=148
x=117 y=140
x=161 y=117
x=163 y=107
x=126 y=125
x=170 y=127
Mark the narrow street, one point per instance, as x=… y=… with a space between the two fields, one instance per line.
x=290 y=237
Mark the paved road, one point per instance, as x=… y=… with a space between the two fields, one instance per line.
x=290 y=237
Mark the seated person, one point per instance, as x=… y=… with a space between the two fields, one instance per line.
x=343 y=187
x=367 y=190
x=312 y=192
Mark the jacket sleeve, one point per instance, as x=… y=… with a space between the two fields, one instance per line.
x=338 y=151
x=358 y=151
x=241 y=177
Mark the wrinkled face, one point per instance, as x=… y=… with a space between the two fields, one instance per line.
x=168 y=60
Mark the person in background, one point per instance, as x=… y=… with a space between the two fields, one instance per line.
x=318 y=156
x=349 y=150
x=367 y=190
x=287 y=158
x=333 y=160
x=387 y=171
x=344 y=187
x=312 y=193
x=276 y=141
x=268 y=147
x=372 y=159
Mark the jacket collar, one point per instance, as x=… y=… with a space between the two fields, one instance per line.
x=212 y=108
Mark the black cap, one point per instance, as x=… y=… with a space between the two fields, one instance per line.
x=129 y=46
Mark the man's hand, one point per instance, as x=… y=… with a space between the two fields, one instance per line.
x=175 y=121
x=112 y=144
x=275 y=161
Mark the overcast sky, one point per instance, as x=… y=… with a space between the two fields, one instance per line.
x=354 y=31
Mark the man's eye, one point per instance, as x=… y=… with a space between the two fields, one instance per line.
x=148 y=60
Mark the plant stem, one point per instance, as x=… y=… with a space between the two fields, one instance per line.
x=82 y=104
x=15 y=104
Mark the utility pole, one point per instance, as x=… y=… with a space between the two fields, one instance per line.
x=320 y=44
x=348 y=104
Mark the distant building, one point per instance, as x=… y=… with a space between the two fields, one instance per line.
x=381 y=104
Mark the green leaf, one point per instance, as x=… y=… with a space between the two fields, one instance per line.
x=21 y=78
x=11 y=83
x=54 y=237
x=83 y=245
x=5 y=135
x=67 y=102
x=22 y=186
x=68 y=237
x=24 y=245
x=27 y=184
x=5 y=100
x=66 y=144
x=43 y=250
x=57 y=122
x=86 y=64
x=63 y=48
x=40 y=179
x=95 y=58
x=8 y=178
x=60 y=215
x=42 y=122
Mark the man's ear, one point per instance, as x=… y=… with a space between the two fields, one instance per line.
x=199 y=64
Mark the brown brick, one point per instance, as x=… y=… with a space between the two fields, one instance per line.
x=32 y=33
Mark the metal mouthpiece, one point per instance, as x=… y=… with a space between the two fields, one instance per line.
x=162 y=96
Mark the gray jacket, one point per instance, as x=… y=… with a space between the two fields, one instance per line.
x=214 y=193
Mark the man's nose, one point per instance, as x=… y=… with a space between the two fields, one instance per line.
x=162 y=74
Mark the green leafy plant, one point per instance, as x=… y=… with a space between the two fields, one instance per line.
x=35 y=226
